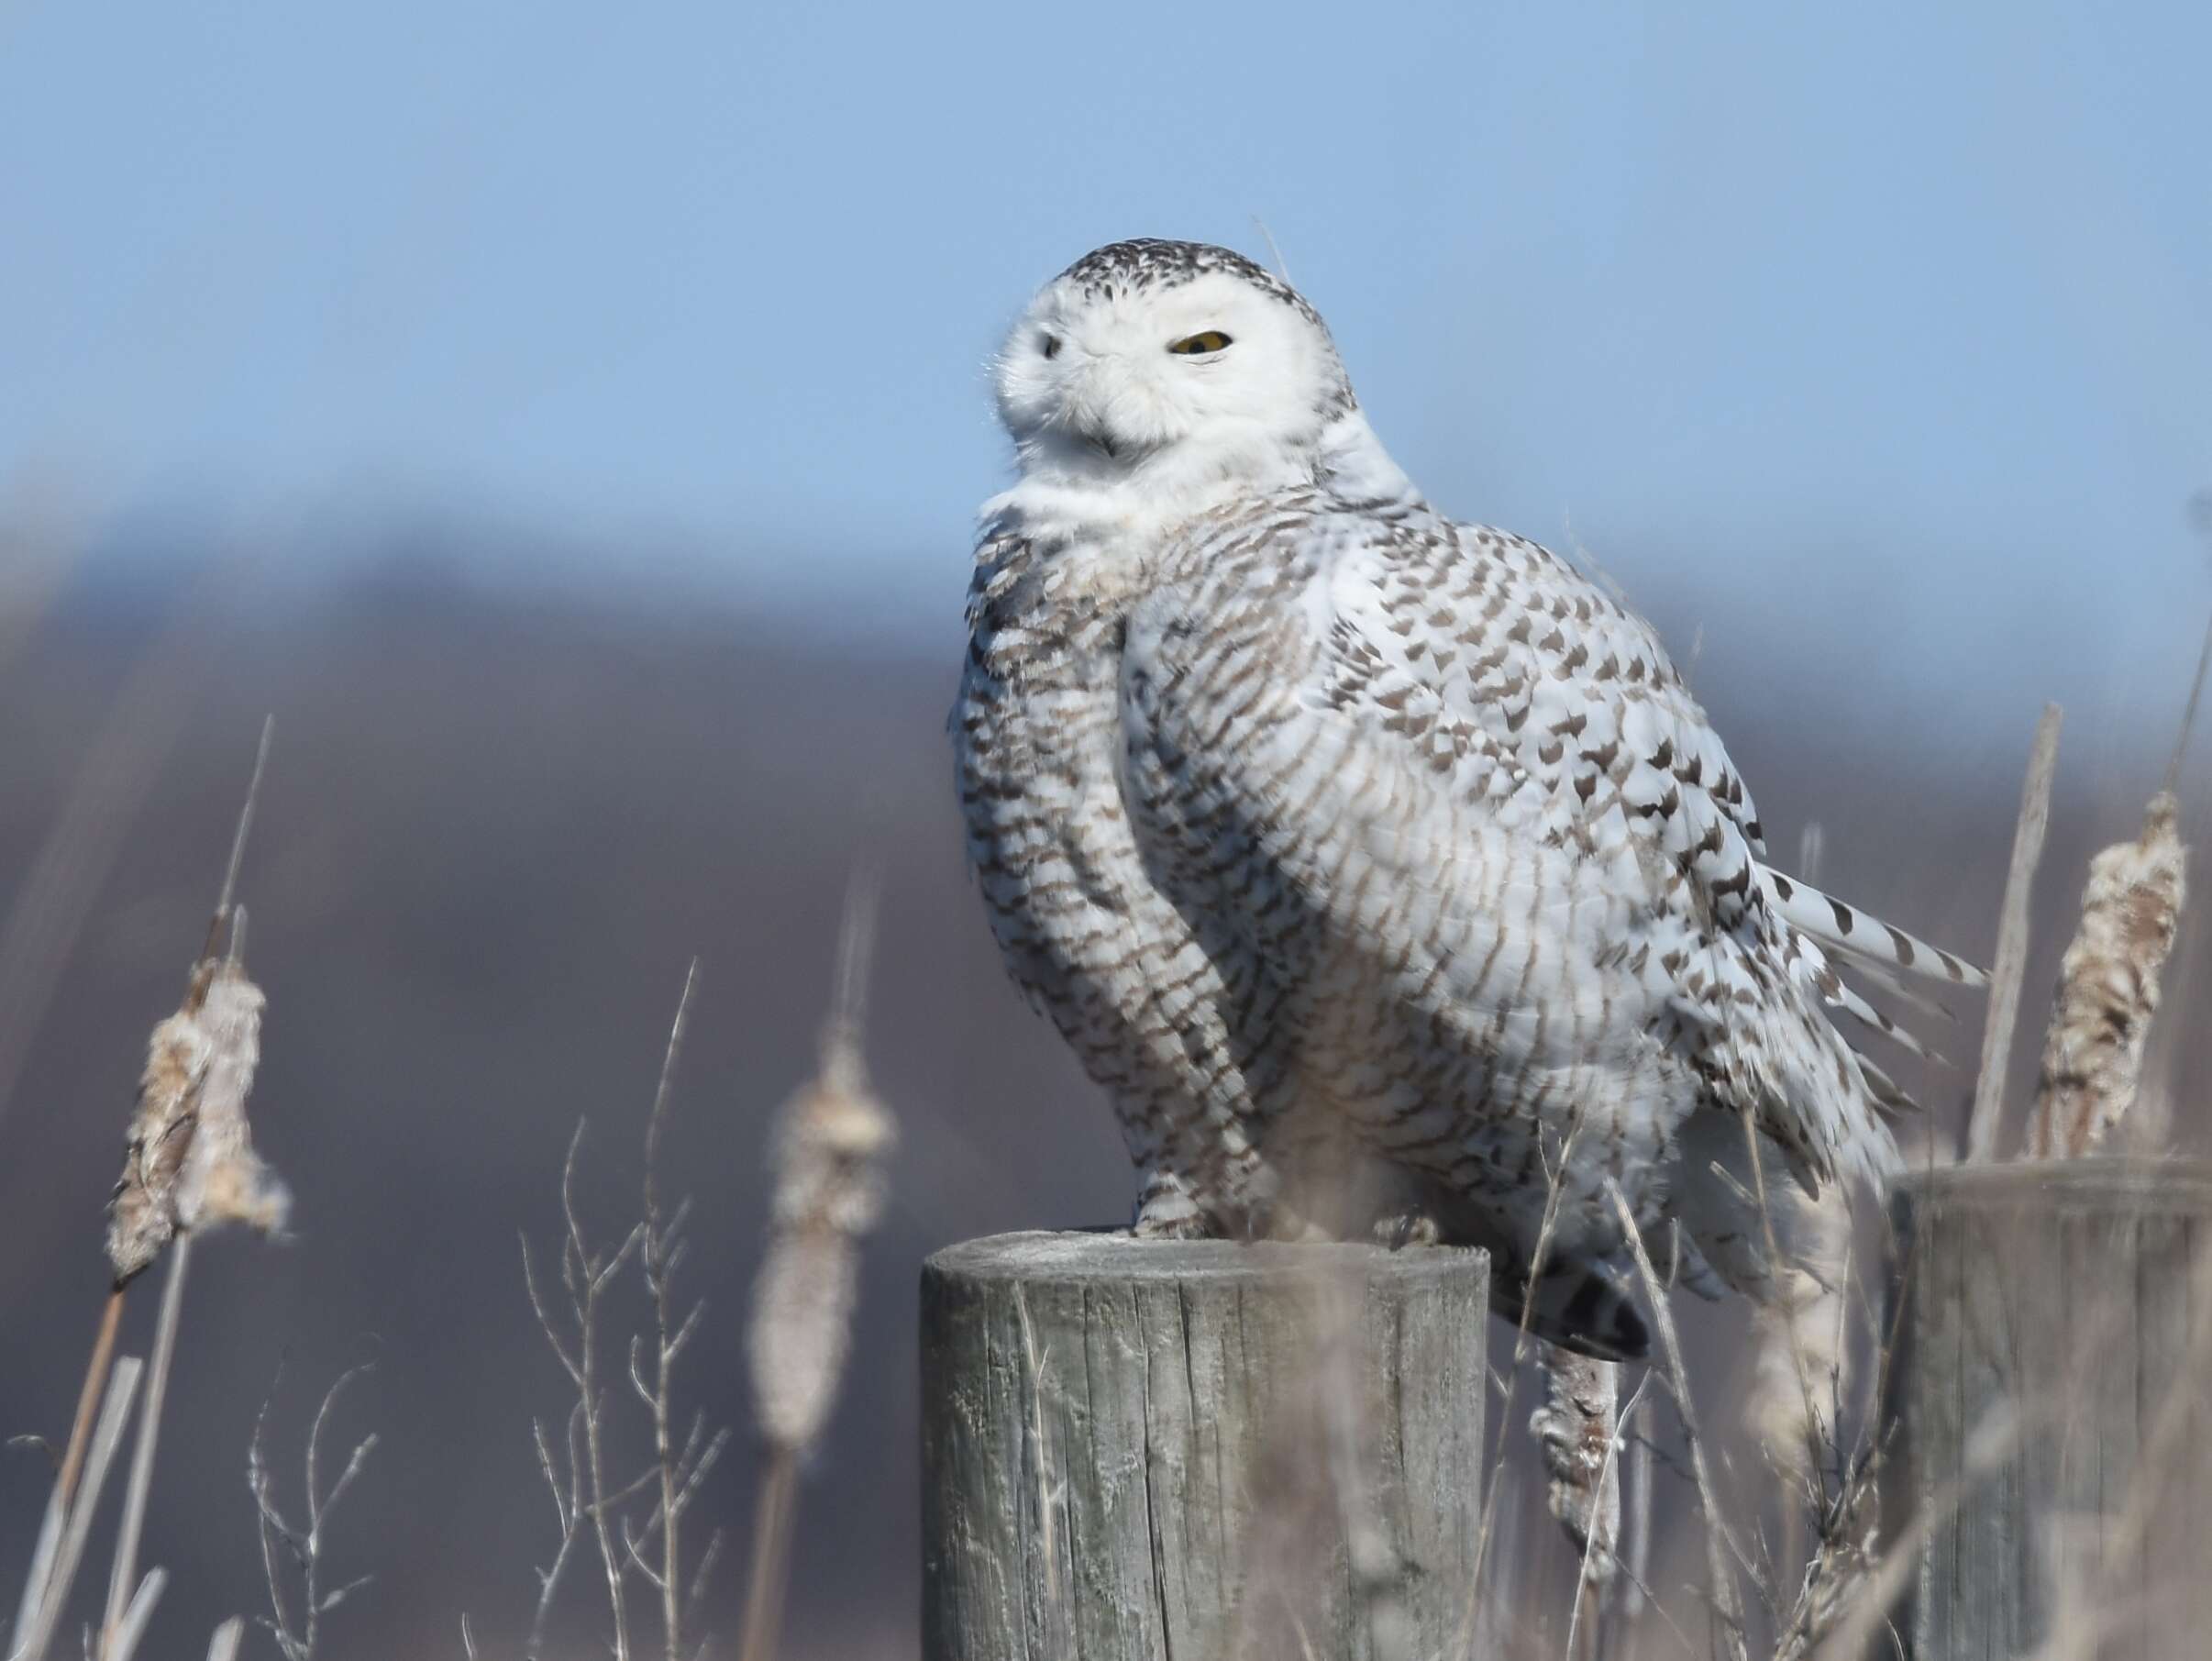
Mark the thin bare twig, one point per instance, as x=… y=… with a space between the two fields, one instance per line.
x=297 y=1637
x=568 y=1508
x=587 y=1276
x=659 y=1257
x=576 y=1477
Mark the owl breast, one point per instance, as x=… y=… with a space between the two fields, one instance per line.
x=1086 y=930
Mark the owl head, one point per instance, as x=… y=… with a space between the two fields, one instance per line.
x=1166 y=360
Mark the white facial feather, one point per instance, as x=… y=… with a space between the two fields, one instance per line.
x=1090 y=392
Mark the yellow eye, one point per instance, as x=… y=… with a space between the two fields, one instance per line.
x=1190 y=346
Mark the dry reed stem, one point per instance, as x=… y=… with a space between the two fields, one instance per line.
x=124 y=1578
x=1718 y=1547
x=2011 y=968
x=73 y=1461
x=2108 y=987
x=296 y=1637
x=223 y=1645
x=33 y=1635
x=131 y=1630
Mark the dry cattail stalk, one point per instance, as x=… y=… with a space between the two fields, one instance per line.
x=189 y=1160
x=2108 y=987
x=2011 y=968
x=103 y=1345
x=1575 y=1431
x=203 y=1072
x=830 y=1142
x=46 y=1592
x=190 y=1167
x=831 y=1139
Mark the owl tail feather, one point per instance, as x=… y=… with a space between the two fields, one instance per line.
x=1861 y=939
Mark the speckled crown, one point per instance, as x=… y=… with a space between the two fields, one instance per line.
x=1144 y=262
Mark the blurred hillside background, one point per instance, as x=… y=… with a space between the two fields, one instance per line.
x=568 y=423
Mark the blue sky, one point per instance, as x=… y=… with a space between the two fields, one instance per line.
x=1892 y=314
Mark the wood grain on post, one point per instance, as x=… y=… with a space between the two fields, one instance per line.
x=2069 y=1300
x=1149 y=1450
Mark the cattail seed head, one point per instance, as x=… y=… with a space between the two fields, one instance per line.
x=831 y=1140
x=2108 y=987
x=190 y=1161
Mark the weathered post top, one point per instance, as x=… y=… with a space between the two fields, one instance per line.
x=2050 y=1402
x=1205 y=1449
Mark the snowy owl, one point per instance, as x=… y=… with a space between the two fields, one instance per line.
x=1380 y=867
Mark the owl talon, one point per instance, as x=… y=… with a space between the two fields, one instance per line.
x=1407 y=1228
x=1189 y=1225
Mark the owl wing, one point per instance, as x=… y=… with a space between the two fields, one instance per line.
x=1443 y=747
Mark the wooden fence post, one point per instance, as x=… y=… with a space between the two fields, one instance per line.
x=1145 y=1450
x=2070 y=1299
